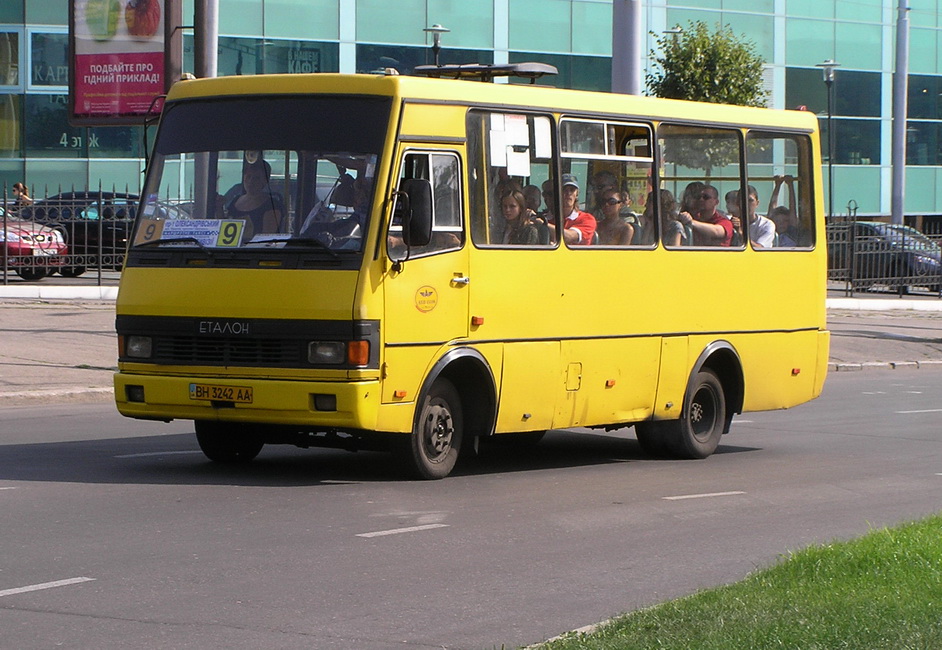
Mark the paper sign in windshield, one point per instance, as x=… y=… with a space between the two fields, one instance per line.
x=207 y=232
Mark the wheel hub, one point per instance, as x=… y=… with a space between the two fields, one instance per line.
x=438 y=430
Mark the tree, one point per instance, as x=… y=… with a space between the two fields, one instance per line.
x=719 y=68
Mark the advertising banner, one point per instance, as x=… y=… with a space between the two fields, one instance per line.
x=118 y=60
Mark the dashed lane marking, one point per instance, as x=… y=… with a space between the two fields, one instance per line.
x=44 y=585
x=397 y=531
x=702 y=496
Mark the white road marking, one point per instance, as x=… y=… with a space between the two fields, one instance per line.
x=923 y=411
x=702 y=496
x=45 y=585
x=397 y=531
x=7 y=488
x=159 y=453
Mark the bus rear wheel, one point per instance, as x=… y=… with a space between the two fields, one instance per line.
x=436 y=435
x=697 y=433
x=223 y=442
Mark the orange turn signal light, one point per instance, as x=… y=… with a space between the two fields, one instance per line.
x=358 y=353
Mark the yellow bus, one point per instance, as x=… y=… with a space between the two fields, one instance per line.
x=417 y=263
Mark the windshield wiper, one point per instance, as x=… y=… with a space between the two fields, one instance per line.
x=177 y=240
x=297 y=241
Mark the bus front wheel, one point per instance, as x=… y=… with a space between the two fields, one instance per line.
x=223 y=442
x=436 y=435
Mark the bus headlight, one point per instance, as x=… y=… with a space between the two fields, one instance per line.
x=139 y=347
x=326 y=352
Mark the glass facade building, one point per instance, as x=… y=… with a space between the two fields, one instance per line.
x=40 y=147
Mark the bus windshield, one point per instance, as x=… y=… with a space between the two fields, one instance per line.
x=241 y=175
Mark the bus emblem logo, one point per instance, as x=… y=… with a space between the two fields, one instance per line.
x=426 y=299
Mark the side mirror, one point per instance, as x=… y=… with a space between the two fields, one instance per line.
x=417 y=220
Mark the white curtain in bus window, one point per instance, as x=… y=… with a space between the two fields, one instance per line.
x=778 y=169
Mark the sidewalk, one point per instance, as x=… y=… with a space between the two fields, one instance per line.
x=54 y=349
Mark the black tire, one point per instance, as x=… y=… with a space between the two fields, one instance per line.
x=697 y=433
x=32 y=274
x=71 y=271
x=436 y=433
x=224 y=442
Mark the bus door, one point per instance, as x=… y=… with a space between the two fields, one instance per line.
x=426 y=288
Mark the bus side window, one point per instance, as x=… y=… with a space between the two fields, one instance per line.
x=443 y=171
x=510 y=156
x=700 y=166
x=779 y=168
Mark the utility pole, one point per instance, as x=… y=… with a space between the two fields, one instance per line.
x=900 y=114
x=627 y=37
x=205 y=58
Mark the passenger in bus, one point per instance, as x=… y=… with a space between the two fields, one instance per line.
x=612 y=229
x=519 y=229
x=674 y=233
x=548 y=216
x=689 y=200
x=761 y=229
x=602 y=182
x=533 y=195
x=262 y=211
x=709 y=227
x=786 y=217
x=786 y=231
x=578 y=227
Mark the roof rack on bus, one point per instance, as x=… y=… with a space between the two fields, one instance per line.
x=487 y=71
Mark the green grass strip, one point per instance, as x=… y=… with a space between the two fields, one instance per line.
x=883 y=590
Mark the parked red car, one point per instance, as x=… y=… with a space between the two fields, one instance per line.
x=31 y=250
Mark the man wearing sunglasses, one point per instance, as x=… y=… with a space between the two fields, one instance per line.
x=710 y=227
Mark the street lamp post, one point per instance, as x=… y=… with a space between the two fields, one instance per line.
x=827 y=67
x=436 y=31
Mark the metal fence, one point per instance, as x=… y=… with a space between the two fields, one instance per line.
x=70 y=232
x=877 y=256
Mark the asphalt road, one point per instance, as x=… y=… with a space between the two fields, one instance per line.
x=120 y=534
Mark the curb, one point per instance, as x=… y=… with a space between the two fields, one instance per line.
x=58 y=396
x=54 y=292
x=886 y=304
x=839 y=366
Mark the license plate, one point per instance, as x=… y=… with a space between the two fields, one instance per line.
x=215 y=392
x=44 y=251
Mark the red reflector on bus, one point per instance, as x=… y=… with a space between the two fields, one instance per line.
x=796 y=371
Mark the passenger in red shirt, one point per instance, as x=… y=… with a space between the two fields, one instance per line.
x=710 y=227
x=578 y=227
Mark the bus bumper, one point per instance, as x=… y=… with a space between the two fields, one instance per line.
x=333 y=405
